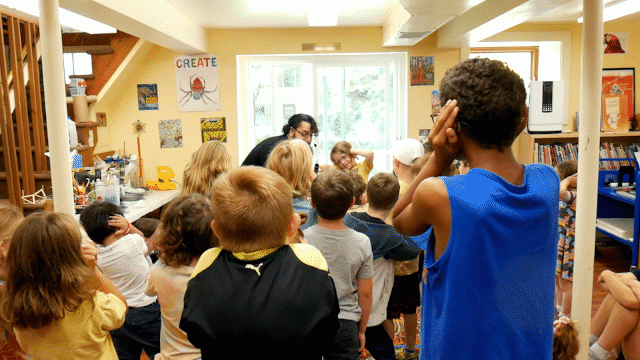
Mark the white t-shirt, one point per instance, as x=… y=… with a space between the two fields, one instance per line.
x=125 y=263
x=169 y=284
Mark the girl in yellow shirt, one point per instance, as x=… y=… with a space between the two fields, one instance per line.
x=58 y=302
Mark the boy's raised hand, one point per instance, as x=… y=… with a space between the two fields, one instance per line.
x=121 y=223
x=570 y=182
x=443 y=136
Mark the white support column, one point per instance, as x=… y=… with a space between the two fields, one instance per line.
x=56 y=106
x=465 y=49
x=589 y=144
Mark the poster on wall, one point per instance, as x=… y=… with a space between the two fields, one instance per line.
x=197 y=87
x=616 y=43
x=147 y=96
x=421 y=68
x=170 y=132
x=213 y=129
x=435 y=102
x=618 y=98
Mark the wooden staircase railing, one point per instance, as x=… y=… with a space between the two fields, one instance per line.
x=21 y=77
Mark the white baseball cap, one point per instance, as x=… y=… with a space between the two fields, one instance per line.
x=407 y=150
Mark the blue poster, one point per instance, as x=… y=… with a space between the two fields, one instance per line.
x=147 y=97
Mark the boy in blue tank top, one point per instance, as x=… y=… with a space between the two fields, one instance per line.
x=489 y=289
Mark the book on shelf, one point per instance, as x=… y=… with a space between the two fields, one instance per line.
x=621 y=227
x=554 y=154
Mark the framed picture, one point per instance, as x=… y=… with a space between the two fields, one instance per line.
x=618 y=99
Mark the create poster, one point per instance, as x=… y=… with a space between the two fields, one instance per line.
x=421 y=68
x=147 y=97
x=616 y=43
x=197 y=84
x=170 y=132
x=618 y=98
x=213 y=129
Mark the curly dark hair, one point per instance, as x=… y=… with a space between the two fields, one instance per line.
x=297 y=119
x=491 y=98
x=186 y=230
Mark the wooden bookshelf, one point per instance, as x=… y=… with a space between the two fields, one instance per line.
x=527 y=154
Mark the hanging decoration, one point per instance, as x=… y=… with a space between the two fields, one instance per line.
x=139 y=128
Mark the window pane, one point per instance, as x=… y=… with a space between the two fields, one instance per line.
x=355 y=97
x=67 y=60
x=352 y=106
x=82 y=64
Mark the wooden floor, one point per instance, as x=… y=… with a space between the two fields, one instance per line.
x=611 y=256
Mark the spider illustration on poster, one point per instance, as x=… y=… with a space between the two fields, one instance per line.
x=197 y=91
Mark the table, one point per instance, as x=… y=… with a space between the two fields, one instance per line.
x=152 y=200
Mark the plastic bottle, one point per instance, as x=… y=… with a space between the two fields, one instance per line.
x=73 y=133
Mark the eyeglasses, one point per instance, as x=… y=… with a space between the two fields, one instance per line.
x=304 y=135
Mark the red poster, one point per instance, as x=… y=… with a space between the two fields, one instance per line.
x=619 y=84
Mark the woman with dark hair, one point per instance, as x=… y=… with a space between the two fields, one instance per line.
x=299 y=126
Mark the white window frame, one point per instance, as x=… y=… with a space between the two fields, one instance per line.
x=397 y=62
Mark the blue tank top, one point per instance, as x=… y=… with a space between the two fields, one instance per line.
x=490 y=295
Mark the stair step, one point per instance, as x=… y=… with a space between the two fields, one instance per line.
x=36 y=176
x=33 y=148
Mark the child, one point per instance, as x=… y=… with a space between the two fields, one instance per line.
x=387 y=245
x=565 y=340
x=122 y=255
x=292 y=159
x=255 y=297
x=344 y=156
x=50 y=298
x=10 y=218
x=567 y=171
x=209 y=161
x=408 y=154
x=185 y=233
x=148 y=227
x=359 y=193
x=491 y=256
x=350 y=260
x=617 y=321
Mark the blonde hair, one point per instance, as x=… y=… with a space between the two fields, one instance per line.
x=341 y=147
x=252 y=209
x=207 y=163
x=10 y=218
x=293 y=160
x=46 y=272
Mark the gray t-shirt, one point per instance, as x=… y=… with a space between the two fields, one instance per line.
x=348 y=254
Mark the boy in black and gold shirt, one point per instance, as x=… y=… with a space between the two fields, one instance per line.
x=255 y=296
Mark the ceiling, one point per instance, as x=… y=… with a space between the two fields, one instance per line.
x=181 y=25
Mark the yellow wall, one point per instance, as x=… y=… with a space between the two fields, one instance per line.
x=157 y=67
x=629 y=60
